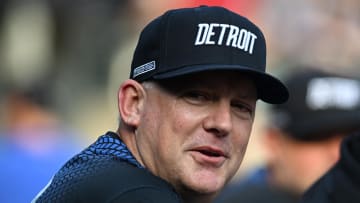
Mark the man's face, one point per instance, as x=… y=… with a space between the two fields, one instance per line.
x=195 y=129
x=295 y=164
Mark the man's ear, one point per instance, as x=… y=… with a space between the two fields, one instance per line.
x=131 y=97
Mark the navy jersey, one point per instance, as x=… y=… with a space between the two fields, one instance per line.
x=106 y=172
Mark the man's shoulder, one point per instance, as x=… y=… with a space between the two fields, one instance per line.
x=106 y=171
x=123 y=176
x=109 y=181
x=126 y=183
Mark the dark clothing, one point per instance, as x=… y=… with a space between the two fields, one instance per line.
x=106 y=172
x=255 y=188
x=342 y=182
x=254 y=193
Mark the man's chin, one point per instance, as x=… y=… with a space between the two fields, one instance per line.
x=207 y=186
x=199 y=193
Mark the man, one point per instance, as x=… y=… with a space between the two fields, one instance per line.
x=342 y=182
x=186 y=113
x=303 y=136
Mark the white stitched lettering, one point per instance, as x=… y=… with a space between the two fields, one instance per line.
x=225 y=34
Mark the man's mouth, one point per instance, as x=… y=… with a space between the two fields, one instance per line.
x=210 y=152
x=209 y=156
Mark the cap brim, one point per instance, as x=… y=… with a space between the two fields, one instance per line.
x=324 y=124
x=270 y=89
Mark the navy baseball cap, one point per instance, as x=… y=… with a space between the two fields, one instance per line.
x=321 y=104
x=189 y=40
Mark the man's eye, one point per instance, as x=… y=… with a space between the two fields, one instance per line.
x=196 y=96
x=243 y=109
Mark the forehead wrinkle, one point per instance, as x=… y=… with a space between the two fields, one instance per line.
x=243 y=87
x=238 y=92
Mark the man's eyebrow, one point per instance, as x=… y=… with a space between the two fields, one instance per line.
x=247 y=95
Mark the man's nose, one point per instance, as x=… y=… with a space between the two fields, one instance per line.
x=219 y=119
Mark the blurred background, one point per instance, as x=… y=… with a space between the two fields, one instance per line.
x=62 y=61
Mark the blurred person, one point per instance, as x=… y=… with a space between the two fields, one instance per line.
x=85 y=36
x=186 y=114
x=342 y=182
x=302 y=138
x=34 y=143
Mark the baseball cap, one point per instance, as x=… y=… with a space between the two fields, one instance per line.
x=320 y=103
x=189 y=40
